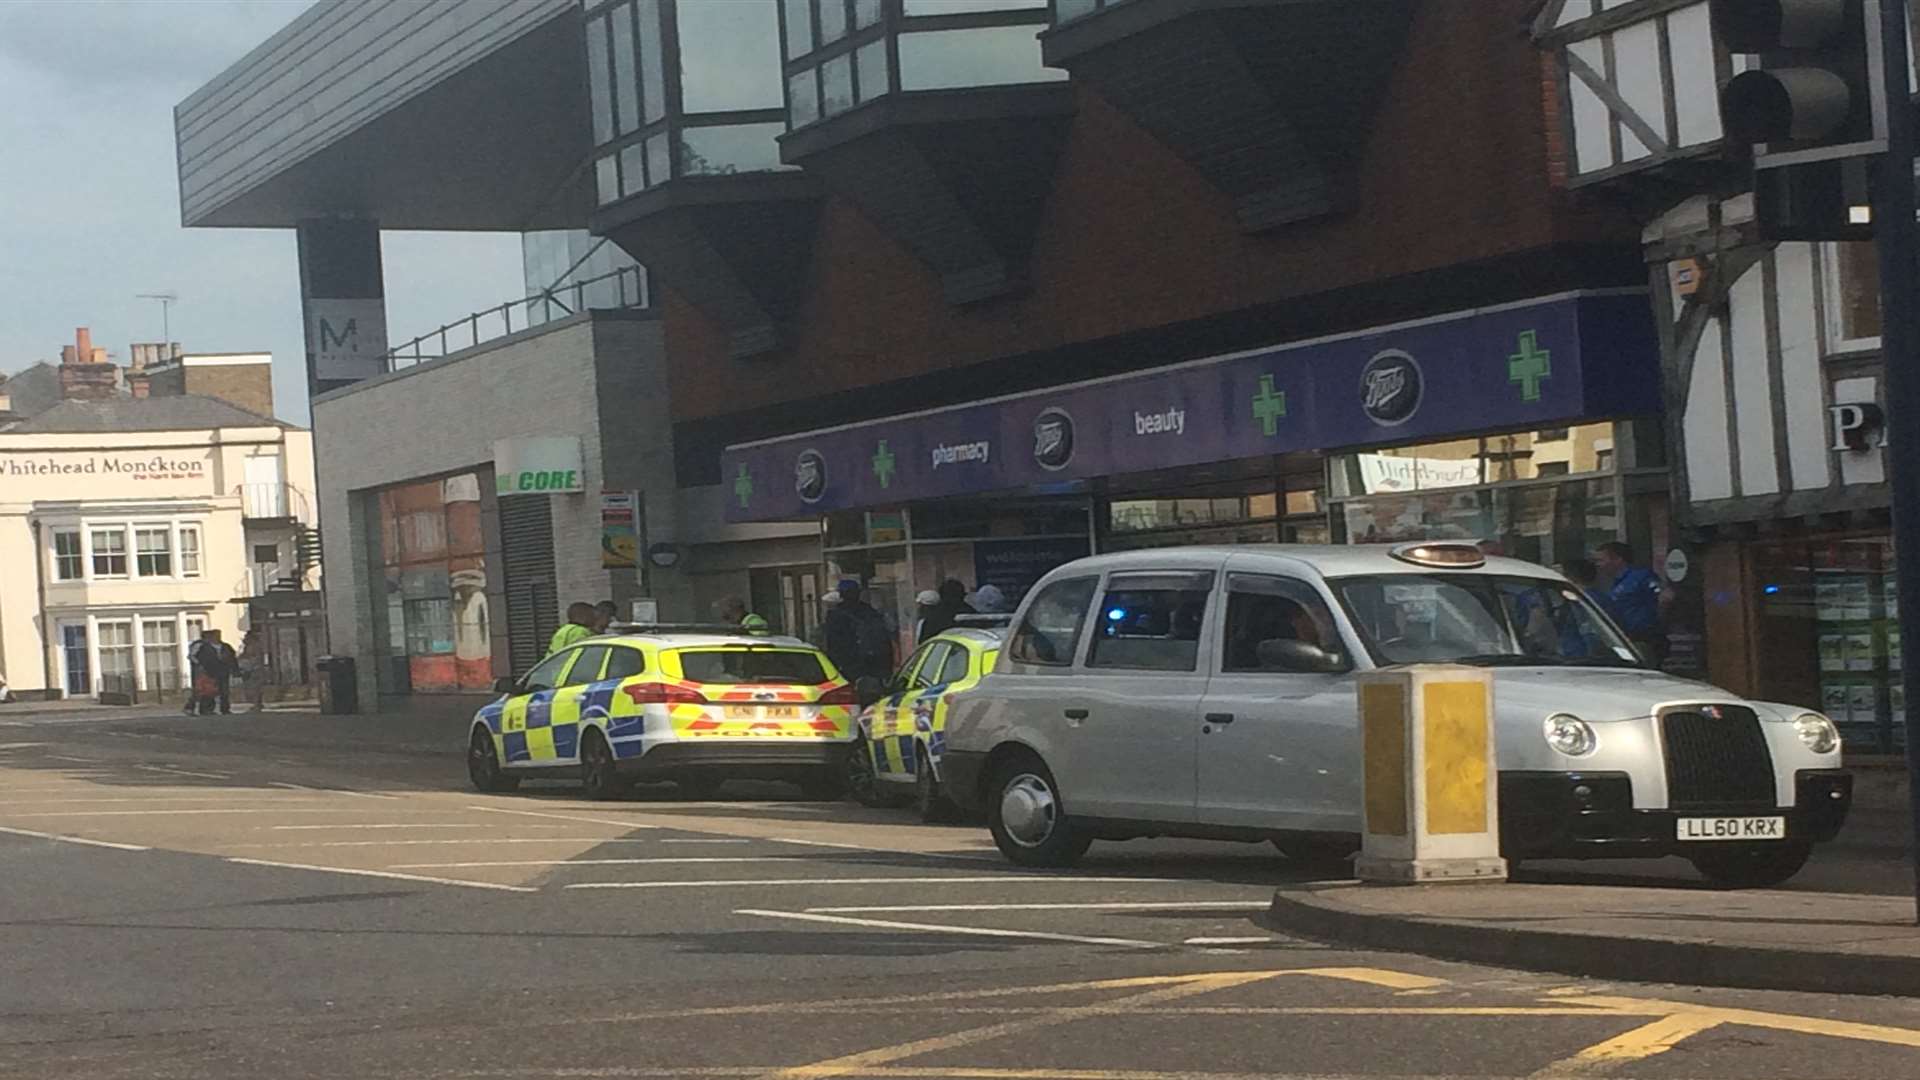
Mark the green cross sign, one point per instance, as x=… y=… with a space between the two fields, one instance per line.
x=743 y=487
x=1530 y=367
x=1269 y=406
x=883 y=465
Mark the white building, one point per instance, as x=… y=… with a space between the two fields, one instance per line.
x=133 y=523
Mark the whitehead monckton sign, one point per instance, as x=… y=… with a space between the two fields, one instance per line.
x=155 y=466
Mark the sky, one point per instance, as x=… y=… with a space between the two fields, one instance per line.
x=90 y=201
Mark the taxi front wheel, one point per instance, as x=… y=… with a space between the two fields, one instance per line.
x=1024 y=813
x=483 y=765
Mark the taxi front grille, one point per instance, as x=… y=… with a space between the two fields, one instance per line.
x=1716 y=757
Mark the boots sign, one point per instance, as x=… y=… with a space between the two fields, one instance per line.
x=538 y=466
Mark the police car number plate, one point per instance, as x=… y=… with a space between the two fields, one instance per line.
x=763 y=712
x=1731 y=828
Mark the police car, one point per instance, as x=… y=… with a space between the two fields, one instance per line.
x=696 y=706
x=902 y=736
x=1211 y=692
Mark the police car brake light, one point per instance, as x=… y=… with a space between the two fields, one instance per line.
x=1449 y=556
x=663 y=694
x=844 y=694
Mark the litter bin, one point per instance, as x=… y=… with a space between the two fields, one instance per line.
x=339 y=688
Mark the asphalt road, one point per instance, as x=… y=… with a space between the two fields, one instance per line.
x=234 y=898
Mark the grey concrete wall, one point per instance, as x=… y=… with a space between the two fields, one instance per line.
x=443 y=417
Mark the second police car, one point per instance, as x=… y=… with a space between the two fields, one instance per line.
x=697 y=707
x=902 y=735
x=1211 y=692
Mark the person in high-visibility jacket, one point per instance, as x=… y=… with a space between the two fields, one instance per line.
x=579 y=627
x=733 y=611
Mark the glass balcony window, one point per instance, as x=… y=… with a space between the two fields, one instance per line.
x=967 y=7
x=803 y=98
x=659 y=158
x=729 y=56
x=730 y=148
x=633 y=173
x=870 y=69
x=1065 y=11
x=599 y=80
x=833 y=21
x=798 y=27
x=606 y=179
x=983 y=56
x=836 y=77
x=653 y=68
x=866 y=13
x=626 y=81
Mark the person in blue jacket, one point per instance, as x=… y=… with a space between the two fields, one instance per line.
x=1632 y=595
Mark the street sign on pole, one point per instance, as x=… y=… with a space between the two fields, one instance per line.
x=1895 y=233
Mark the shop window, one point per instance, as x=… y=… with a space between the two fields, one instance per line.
x=1828 y=636
x=109 y=552
x=1270 y=619
x=153 y=551
x=1151 y=622
x=68 y=562
x=1852 y=275
x=433 y=586
x=1050 y=633
x=1463 y=463
x=160 y=650
x=189 y=551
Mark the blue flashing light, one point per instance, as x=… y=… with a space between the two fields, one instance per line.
x=1116 y=614
x=1771 y=589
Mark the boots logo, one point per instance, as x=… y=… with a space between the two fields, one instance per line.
x=1053 y=439
x=1391 y=387
x=810 y=476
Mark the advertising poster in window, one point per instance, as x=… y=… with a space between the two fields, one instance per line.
x=619 y=530
x=1012 y=566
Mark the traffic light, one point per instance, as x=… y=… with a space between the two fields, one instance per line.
x=1814 y=108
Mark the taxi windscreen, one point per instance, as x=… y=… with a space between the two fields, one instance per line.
x=743 y=665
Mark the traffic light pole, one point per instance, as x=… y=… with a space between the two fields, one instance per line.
x=1895 y=234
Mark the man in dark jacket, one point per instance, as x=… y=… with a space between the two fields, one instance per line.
x=953 y=603
x=856 y=637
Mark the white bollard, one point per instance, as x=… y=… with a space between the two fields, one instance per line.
x=1430 y=786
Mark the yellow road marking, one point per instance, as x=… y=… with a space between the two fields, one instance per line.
x=1645 y=1041
x=1198 y=984
x=1392 y=980
x=1803 y=1025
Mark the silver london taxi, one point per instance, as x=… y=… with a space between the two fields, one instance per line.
x=1211 y=692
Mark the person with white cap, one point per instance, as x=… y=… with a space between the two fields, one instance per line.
x=988 y=600
x=926 y=600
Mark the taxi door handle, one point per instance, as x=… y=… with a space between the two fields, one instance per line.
x=1218 y=718
x=1075 y=714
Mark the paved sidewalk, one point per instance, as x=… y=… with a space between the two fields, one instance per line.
x=1758 y=939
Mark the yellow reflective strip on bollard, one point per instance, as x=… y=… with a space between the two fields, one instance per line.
x=1383 y=710
x=1456 y=759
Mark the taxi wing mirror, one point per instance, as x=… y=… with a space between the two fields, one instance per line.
x=867 y=690
x=1289 y=654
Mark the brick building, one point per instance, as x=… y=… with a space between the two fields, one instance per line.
x=964 y=289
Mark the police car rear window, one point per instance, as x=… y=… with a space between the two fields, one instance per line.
x=752 y=666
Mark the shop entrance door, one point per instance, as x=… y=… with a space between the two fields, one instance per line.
x=73 y=654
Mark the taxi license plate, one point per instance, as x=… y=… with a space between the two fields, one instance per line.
x=1731 y=828
x=763 y=712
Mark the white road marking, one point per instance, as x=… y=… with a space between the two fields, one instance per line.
x=383 y=825
x=962 y=931
x=422 y=843
x=564 y=817
x=154 y=813
x=598 y=862
x=950 y=880
x=74 y=840
x=331 y=791
x=177 y=771
x=1232 y=940
x=68 y=757
x=1144 y=905
x=19 y=745
x=264 y=798
x=884 y=851
x=382 y=874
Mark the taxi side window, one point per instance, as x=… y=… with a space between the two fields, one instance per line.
x=1278 y=624
x=623 y=663
x=546 y=673
x=1151 y=622
x=586 y=669
x=930 y=664
x=959 y=666
x=1049 y=634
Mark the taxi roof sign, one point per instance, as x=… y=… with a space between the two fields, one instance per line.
x=1441 y=555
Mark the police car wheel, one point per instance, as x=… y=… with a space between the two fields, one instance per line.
x=1025 y=816
x=1751 y=866
x=929 y=801
x=597 y=773
x=862 y=784
x=483 y=766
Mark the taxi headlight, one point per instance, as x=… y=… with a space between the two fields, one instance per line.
x=1570 y=735
x=1817 y=732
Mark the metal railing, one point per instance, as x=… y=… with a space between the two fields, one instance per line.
x=274 y=499
x=629 y=282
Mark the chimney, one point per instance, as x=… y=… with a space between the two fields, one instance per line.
x=84 y=373
x=83 y=343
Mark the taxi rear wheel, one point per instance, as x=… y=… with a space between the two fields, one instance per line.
x=483 y=765
x=1751 y=866
x=1025 y=815
x=598 y=776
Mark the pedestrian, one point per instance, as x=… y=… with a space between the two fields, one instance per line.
x=212 y=661
x=1582 y=573
x=858 y=640
x=604 y=613
x=253 y=666
x=924 y=604
x=951 y=603
x=733 y=611
x=988 y=600
x=1632 y=596
x=579 y=626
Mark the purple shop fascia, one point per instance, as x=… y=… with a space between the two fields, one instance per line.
x=1538 y=363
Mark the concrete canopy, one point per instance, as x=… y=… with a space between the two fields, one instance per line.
x=461 y=115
